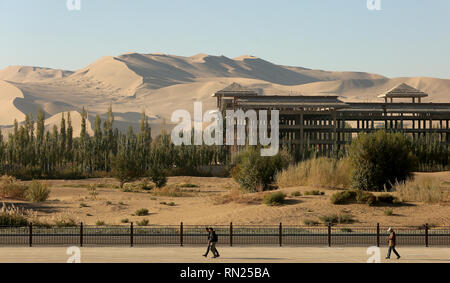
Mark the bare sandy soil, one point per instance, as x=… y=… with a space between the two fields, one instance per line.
x=200 y=207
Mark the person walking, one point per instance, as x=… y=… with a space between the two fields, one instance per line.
x=214 y=240
x=392 y=243
x=209 y=242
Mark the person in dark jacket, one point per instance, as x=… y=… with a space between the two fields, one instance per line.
x=212 y=241
x=209 y=242
x=392 y=243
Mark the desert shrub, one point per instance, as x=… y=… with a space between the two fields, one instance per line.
x=379 y=160
x=238 y=196
x=188 y=185
x=145 y=185
x=314 y=193
x=124 y=221
x=310 y=222
x=337 y=219
x=12 y=216
x=353 y=196
x=425 y=189
x=343 y=197
x=108 y=202
x=64 y=220
x=143 y=222
x=83 y=205
x=172 y=192
x=296 y=194
x=158 y=176
x=142 y=212
x=363 y=197
x=321 y=172
x=386 y=198
x=100 y=223
x=10 y=188
x=125 y=169
x=274 y=199
x=346 y=230
x=92 y=190
x=38 y=191
x=388 y=212
x=253 y=170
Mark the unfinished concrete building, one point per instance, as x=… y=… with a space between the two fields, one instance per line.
x=324 y=122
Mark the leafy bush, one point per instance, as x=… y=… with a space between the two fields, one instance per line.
x=274 y=199
x=38 y=191
x=158 y=176
x=125 y=169
x=142 y=212
x=253 y=171
x=379 y=160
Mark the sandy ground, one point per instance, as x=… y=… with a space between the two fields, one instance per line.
x=228 y=255
x=111 y=206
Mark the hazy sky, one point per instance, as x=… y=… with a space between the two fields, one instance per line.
x=405 y=38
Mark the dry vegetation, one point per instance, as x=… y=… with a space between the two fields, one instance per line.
x=423 y=189
x=317 y=172
x=209 y=201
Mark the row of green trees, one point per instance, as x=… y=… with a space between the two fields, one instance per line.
x=31 y=152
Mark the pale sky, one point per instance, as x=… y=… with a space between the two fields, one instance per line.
x=405 y=38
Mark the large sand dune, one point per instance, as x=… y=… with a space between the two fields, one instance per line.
x=160 y=84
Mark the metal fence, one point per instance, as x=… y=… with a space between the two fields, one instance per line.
x=230 y=235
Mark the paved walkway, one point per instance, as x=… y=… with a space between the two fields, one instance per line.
x=229 y=255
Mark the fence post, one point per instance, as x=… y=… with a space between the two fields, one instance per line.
x=131 y=234
x=181 y=234
x=30 y=234
x=329 y=235
x=231 y=234
x=281 y=234
x=426 y=235
x=81 y=234
x=378 y=234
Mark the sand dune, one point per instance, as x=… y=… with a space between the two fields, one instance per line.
x=160 y=84
x=109 y=73
x=31 y=74
x=9 y=112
